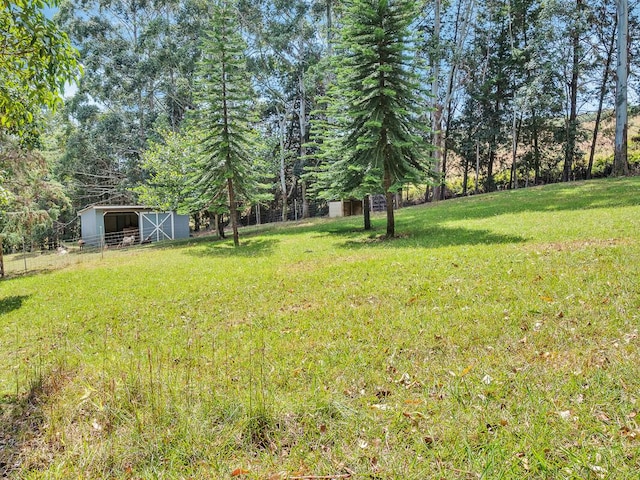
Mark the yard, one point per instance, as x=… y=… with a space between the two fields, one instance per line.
x=497 y=337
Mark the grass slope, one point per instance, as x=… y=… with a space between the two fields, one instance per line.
x=497 y=338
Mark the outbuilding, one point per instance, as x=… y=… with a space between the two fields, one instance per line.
x=111 y=224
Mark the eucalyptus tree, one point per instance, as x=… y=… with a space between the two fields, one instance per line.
x=444 y=29
x=285 y=44
x=603 y=22
x=620 y=163
x=93 y=165
x=570 y=24
x=489 y=85
x=139 y=60
x=225 y=114
x=381 y=141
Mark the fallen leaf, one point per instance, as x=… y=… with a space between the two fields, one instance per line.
x=405 y=379
x=466 y=370
x=239 y=471
x=629 y=433
x=413 y=415
x=565 y=414
x=546 y=299
x=598 y=470
x=382 y=393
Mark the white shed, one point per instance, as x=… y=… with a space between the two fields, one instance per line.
x=111 y=223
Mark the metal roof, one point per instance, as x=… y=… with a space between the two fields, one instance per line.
x=117 y=208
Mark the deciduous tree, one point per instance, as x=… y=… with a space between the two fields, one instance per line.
x=36 y=60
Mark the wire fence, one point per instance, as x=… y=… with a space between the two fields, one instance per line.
x=63 y=253
x=69 y=252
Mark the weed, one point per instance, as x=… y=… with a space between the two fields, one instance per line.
x=496 y=337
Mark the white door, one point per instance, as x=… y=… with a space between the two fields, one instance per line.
x=156 y=227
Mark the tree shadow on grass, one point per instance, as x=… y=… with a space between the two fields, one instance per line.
x=432 y=237
x=249 y=247
x=9 y=304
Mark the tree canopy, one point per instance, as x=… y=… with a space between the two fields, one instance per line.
x=378 y=97
x=519 y=94
x=36 y=60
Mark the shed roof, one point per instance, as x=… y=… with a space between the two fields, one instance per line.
x=117 y=208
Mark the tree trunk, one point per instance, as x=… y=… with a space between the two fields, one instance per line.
x=233 y=212
x=603 y=91
x=459 y=36
x=513 y=181
x=283 y=180
x=366 y=212
x=572 y=124
x=437 y=110
x=196 y=222
x=302 y=119
x=391 y=222
x=1 y=259
x=620 y=164
x=490 y=183
x=477 y=164
x=219 y=224
x=536 y=148
x=465 y=175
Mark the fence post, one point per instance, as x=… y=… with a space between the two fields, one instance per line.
x=24 y=253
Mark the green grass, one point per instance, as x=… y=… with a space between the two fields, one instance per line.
x=496 y=338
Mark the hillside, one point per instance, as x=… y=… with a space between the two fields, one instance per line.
x=497 y=337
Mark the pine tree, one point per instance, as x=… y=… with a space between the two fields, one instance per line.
x=225 y=97
x=380 y=136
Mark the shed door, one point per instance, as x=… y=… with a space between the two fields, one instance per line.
x=156 y=227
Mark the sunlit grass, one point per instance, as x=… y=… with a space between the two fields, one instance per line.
x=497 y=337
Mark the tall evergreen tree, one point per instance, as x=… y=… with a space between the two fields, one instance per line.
x=225 y=97
x=377 y=78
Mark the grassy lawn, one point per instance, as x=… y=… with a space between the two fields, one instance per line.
x=496 y=338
